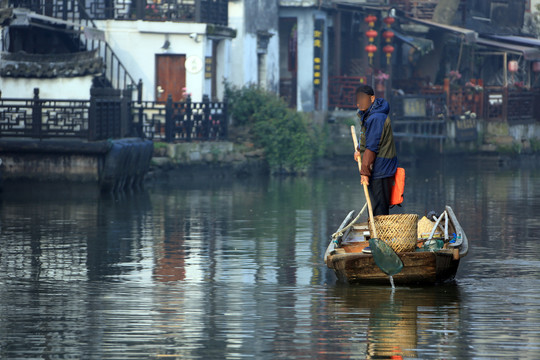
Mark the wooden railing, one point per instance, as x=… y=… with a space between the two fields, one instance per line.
x=419 y=116
x=182 y=121
x=106 y=115
x=342 y=91
x=420 y=9
x=111 y=114
x=462 y=100
x=494 y=103
x=514 y=106
x=202 y=11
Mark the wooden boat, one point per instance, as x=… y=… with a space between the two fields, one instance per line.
x=344 y=255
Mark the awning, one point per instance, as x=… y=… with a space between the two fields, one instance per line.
x=420 y=44
x=468 y=35
x=352 y=5
x=528 y=47
x=518 y=40
x=529 y=53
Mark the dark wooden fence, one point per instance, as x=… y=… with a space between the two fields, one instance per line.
x=182 y=121
x=419 y=116
x=514 y=106
x=493 y=103
x=105 y=115
x=111 y=114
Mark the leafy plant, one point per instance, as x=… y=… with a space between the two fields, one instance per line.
x=289 y=141
x=535 y=144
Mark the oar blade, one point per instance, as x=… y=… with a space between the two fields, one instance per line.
x=385 y=257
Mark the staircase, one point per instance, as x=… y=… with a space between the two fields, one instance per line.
x=74 y=18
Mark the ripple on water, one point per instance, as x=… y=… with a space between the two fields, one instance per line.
x=234 y=271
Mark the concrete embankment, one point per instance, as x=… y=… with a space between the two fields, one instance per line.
x=223 y=157
x=113 y=164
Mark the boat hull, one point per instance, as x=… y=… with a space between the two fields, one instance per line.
x=421 y=268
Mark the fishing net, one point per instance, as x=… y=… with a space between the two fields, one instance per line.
x=432 y=245
x=399 y=231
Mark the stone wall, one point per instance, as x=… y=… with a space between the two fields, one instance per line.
x=113 y=164
x=226 y=155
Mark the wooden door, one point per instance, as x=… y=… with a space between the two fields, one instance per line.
x=170 y=76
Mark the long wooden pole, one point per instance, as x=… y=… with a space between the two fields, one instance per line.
x=366 y=192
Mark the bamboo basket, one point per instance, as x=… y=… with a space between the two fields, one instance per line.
x=398 y=230
x=425 y=226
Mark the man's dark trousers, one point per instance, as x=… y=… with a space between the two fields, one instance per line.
x=379 y=193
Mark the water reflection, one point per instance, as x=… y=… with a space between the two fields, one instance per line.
x=403 y=323
x=233 y=268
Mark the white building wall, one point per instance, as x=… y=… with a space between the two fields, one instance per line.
x=249 y=58
x=236 y=21
x=136 y=44
x=272 y=62
x=77 y=88
x=305 y=98
x=223 y=67
x=243 y=56
x=207 y=89
x=243 y=51
x=304 y=95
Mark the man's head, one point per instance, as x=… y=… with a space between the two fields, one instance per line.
x=365 y=96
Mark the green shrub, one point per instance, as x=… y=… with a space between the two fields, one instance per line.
x=160 y=145
x=290 y=143
x=535 y=144
x=510 y=149
x=245 y=102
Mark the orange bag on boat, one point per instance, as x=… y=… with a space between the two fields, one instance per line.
x=396 y=196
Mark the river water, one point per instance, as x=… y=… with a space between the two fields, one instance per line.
x=221 y=268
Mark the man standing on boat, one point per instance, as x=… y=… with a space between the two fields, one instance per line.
x=376 y=149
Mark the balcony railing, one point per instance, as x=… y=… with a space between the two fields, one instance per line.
x=342 y=91
x=514 y=106
x=421 y=9
x=201 y=11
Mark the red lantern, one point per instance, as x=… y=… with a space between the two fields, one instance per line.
x=389 y=21
x=388 y=50
x=370 y=49
x=513 y=66
x=370 y=19
x=371 y=34
x=536 y=66
x=388 y=35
